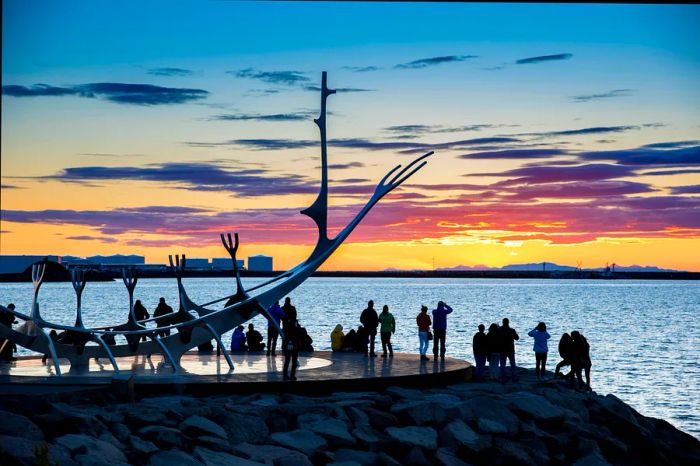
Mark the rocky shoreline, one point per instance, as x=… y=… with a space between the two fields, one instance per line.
x=529 y=422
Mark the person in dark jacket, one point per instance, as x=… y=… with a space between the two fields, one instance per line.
x=162 y=310
x=564 y=352
x=305 y=341
x=254 y=339
x=291 y=345
x=141 y=313
x=370 y=321
x=440 y=329
x=580 y=359
x=361 y=340
x=480 y=349
x=7 y=348
x=290 y=312
x=349 y=341
x=276 y=313
x=508 y=336
x=493 y=345
x=423 y=321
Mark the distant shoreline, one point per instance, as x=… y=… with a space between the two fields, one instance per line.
x=504 y=274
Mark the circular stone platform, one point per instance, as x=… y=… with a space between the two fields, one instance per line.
x=207 y=373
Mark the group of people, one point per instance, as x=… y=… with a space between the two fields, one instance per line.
x=363 y=340
x=498 y=347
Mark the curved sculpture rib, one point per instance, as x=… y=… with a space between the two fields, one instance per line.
x=190 y=331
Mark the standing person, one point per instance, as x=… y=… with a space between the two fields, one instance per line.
x=580 y=359
x=290 y=313
x=337 y=337
x=493 y=344
x=440 y=328
x=370 y=321
x=276 y=313
x=540 y=348
x=290 y=345
x=162 y=310
x=508 y=338
x=388 y=326
x=480 y=349
x=564 y=352
x=141 y=313
x=424 y=322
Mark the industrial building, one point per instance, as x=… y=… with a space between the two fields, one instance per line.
x=224 y=263
x=260 y=263
x=18 y=264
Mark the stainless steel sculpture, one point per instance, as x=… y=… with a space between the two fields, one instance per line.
x=193 y=324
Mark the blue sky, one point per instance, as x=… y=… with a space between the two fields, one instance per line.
x=102 y=95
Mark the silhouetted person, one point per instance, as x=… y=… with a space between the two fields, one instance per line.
x=493 y=344
x=564 y=353
x=162 y=310
x=7 y=318
x=540 y=347
x=337 y=337
x=508 y=336
x=305 y=341
x=361 y=340
x=254 y=339
x=238 y=339
x=140 y=311
x=290 y=313
x=580 y=358
x=388 y=327
x=423 y=321
x=440 y=329
x=349 y=340
x=480 y=349
x=276 y=313
x=291 y=345
x=370 y=321
x=206 y=347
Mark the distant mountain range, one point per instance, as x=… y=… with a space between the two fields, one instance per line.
x=551 y=267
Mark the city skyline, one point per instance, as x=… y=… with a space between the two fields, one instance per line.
x=570 y=136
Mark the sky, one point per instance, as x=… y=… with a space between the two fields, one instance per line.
x=562 y=133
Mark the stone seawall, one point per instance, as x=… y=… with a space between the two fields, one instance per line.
x=529 y=422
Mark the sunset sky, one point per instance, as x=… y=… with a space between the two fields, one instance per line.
x=562 y=133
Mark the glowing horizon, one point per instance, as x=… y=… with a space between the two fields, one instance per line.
x=571 y=137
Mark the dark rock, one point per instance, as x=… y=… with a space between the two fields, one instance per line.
x=16 y=425
x=358 y=417
x=217 y=458
x=459 y=435
x=507 y=452
x=386 y=460
x=590 y=454
x=415 y=457
x=141 y=447
x=446 y=457
x=303 y=440
x=60 y=455
x=334 y=431
x=536 y=407
x=121 y=432
x=213 y=443
x=425 y=437
x=406 y=393
x=164 y=437
x=271 y=454
x=369 y=438
x=195 y=426
x=17 y=450
x=79 y=444
x=491 y=415
x=243 y=428
x=445 y=400
x=172 y=458
x=139 y=417
x=419 y=412
x=109 y=438
x=65 y=418
x=356 y=456
x=380 y=420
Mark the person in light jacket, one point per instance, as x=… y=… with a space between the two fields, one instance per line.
x=540 y=348
x=387 y=328
x=337 y=337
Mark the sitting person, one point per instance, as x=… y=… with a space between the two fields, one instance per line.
x=337 y=338
x=206 y=347
x=349 y=340
x=238 y=340
x=306 y=341
x=361 y=340
x=254 y=339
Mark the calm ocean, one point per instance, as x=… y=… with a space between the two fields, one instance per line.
x=644 y=335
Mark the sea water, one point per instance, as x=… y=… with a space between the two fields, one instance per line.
x=644 y=335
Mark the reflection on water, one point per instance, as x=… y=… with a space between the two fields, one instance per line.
x=643 y=334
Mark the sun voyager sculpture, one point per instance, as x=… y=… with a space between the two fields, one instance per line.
x=194 y=324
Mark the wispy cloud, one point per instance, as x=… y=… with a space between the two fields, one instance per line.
x=181 y=72
x=432 y=61
x=104 y=154
x=605 y=95
x=102 y=239
x=544 y=58
x=289 y=78
x=9 y=186
x=559 y=174
x=361 y=69
x=692 y=189
x=292 y=116
x=689 y=156
x=345 y=166
x=592 y=130
x=121 y=93
x=313 y=88
x=516 y=154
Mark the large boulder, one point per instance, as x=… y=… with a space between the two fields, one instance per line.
x=380 y=420
x=334 y=431
x=446 y=457
x=491 y=415
x=65 y=418
x=271 y=454
x=16 y=425
x=425 y=437
x=140 y=416
x=303 y=440
x=457 y=434
x=217 y=458
x=419 y=412
x=531 y=406
x=79 y=444
x=164 y=437
x=17 y=450
x=172 y=458
x=196 y=426
x=244 y=428
x=370 y=438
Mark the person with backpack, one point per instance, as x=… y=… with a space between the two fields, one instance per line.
x=564 y=353
x=423 y=321
x=440 y=329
